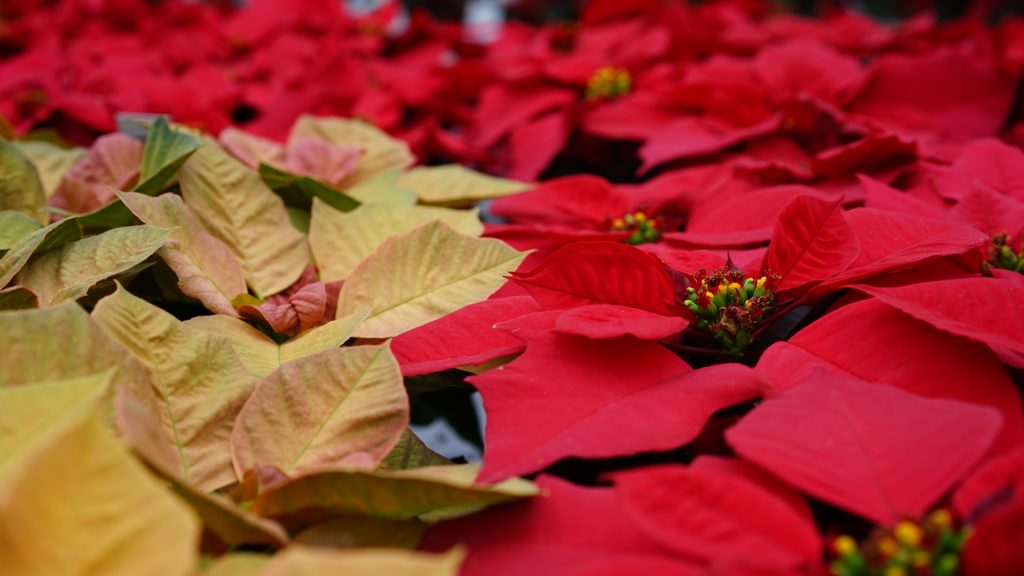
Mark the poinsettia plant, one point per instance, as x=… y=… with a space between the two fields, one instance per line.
x=740 y=292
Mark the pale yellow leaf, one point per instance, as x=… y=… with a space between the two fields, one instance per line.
x=363 y=532
x=62 y=343
x=422 y=275
x=382 y=189
x=52 y=162
x=381 y=152
x=20 y=187
x=341 y=406
x=32 y=410
x=341 y=240
x=207 y=270
x=261 y=355
x=238 y=564
x=307 y=561
x=455 y=185
x=67 y=273
x=200 y=382
x=411 y=452
x=55 y=234
x=395 y=494
x=78 y=503
x=233 y=204
x=144 y=432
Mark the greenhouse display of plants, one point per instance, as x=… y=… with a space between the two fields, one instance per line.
x=740 y=291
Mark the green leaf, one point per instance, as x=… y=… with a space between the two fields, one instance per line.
x=411 y=452
x=299 y=190
x=20 y=187
x=67 y=273
x=165 y=152
x=342 y=406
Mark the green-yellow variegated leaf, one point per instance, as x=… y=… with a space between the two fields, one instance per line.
x=341 y=240
x=15 y=226
x=18 y=298
x=394 y=494
x=411 y=452
x=52 y=162
x=454 y=185
x=200 y=382
x=233 y=204
x=345 y=406
x=61 y=343
x=77 y=503
x=67 y=273
x=165 y=151
x=261 y=355
x=422 y=275
x=381 y=152
x=382 y=189
x=309 y=561
x=52 y=236
x=207 y=270
x=221 y=516
x=20 y=187
x=33 y=410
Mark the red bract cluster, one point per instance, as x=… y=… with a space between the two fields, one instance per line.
x=771 y=315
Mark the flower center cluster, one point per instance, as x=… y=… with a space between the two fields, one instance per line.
x=729 y=306
x=609 y=82
x=641 y=228
x=931 y=546
x=1002 y=255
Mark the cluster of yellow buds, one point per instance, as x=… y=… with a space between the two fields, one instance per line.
x=609 y=82
x=1002 y=255
x=641 y=228
x=930 y=547
x=729 y=306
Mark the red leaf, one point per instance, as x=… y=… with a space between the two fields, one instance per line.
x=876 y=451
x=999 y=481
x=693 y=136
x=882 y=197
x=891 y=242
x=872 y=152
x=601 y=273
x=986 y=310
x=805 y=66
x=709 y=515
x=568 y=396
x=740 y=218
x=992 y=500
x=464 y=337
x=603 y=321
x=874 y=342
x=581 y=200
x=503 y=108
x=535 y=145
x=810 y=243
x=989 y=163
x=571 y=530
x=989 y=212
